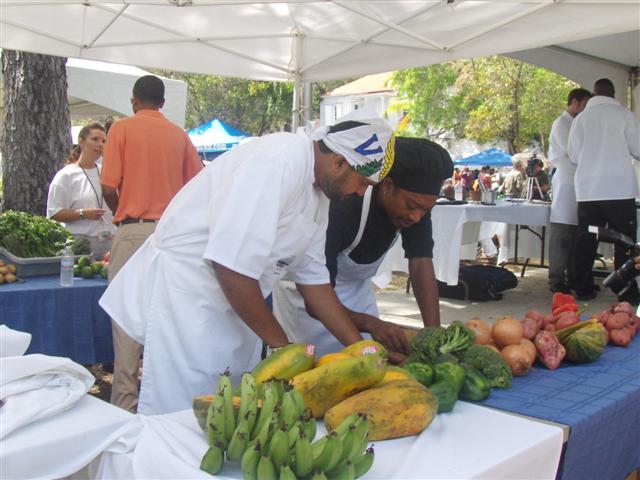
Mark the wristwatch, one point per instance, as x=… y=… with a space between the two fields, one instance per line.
x=81 y=212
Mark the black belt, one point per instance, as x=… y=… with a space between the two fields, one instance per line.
x=130 y=220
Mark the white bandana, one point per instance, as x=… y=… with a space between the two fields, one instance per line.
x=368 y=148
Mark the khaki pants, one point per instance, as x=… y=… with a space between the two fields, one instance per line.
x=126 y=351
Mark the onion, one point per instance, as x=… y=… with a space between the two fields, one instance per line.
x=492 y=346
x=531 y=349
x=507 y=331
x=481 y=329
x=517 y=357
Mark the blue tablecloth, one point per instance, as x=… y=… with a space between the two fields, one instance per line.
x=63 y=321
x=599 y=401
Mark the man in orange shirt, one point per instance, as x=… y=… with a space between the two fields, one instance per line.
x=147 y=159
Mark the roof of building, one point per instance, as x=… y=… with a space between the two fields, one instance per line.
x=379 y=82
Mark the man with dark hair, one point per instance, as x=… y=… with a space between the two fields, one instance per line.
x=564 y=208
x=194 y=293
x=359 y=235
x=603 y=141
x=147 y=159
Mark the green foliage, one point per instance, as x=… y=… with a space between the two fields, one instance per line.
x=253 y=106
x=431 y=100
x=487 y=99
x=28 y=236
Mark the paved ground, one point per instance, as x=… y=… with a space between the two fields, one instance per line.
x=532 y=292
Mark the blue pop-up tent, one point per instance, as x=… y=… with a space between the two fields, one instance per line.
x=214 y=138
x=492 y=157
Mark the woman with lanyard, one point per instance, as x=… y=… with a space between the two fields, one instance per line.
x=360 y=233
x=75 y=195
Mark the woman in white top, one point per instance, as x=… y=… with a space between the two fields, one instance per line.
x=75 y=196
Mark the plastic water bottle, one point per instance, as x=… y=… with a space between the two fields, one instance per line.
x=458 y=191
x=66 y=267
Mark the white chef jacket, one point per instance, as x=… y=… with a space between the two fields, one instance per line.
x=254 y=210
x=603 y=140
x=564 y=208
x=74 y=189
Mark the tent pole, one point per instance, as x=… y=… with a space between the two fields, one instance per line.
x=294 y=69
x=306 y=101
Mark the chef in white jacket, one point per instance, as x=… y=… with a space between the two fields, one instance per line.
x=194 y=293
x=360 y=233
x=564 y=208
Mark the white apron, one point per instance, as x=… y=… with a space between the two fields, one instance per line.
x=564 y=208
x=353 y=287
x=168 y=298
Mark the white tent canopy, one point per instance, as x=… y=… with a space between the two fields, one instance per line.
x=303 y=40
x=319 y=40
x=101 y=89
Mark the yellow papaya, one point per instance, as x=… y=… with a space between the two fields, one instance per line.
x=365 y=347
x=285 y=363
x=393 y=373
x=397 y=409
x=330 y=357
x=325 y=386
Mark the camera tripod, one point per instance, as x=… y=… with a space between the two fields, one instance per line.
x=532 y=185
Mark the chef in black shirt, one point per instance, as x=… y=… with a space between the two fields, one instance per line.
x=361 y=230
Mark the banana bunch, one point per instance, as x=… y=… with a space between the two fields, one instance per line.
x=275 y=441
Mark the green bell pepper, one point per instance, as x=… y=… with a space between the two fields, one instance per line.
x=445 y=393
x=422 y=372
x=451 y=373
x=476 y=386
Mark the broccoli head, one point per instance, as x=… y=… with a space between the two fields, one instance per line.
x=490 y=363
x=432 y=342
x=426 y=345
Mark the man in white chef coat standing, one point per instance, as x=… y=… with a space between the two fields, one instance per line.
x=564 y=208
x=604 y=140
x=193 y=294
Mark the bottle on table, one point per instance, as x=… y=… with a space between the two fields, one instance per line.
x=459 y=191
x=66 y=267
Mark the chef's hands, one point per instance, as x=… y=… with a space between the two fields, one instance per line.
x=393 y=337
x=637 y=260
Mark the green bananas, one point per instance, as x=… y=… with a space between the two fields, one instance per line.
x=275 y=440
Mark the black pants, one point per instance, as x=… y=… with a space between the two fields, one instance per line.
x=619 y=215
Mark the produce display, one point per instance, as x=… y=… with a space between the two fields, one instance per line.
x=7 y=273
x=273 y=437
x=620 y=322
x=87 y=267
x=30 y=236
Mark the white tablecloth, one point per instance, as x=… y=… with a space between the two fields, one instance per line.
x=469 y=442
x=456 y=230
x=58 y=446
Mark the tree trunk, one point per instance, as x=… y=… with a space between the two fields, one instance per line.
x=35 y=133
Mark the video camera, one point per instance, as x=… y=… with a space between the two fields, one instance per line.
x=618 y=280
x=532 y=163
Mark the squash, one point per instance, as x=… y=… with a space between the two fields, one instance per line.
x=398 y=409
x=326 y=386
x=586 y=344
x=285 y=363
x=365 y=347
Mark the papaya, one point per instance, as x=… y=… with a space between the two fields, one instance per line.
x=200 y=406
x=325 y=386
x=285 y=363
x=393 y=373
x=330 y=357
x=365 y=347
x=397 y=409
